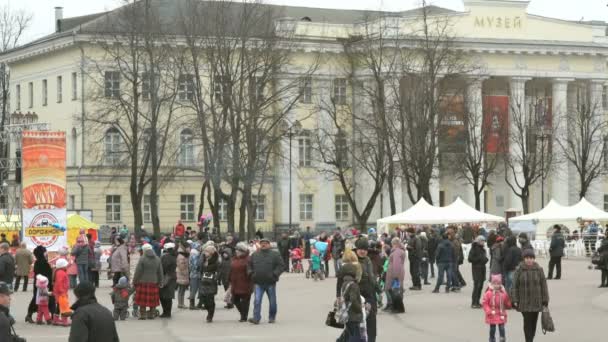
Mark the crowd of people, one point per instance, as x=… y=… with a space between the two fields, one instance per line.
x=370 y=271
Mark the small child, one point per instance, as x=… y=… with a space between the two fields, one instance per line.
x=317 y=273
x=42 y=300
x=72 y=271
x=120 y=298
x=296 y=259
x=61 y=285
x=496 y=302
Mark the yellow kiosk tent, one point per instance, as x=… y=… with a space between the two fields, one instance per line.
x=76 y=223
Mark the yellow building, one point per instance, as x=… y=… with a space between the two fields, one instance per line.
x=519 y=53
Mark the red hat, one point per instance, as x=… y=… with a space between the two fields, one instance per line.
x=500 y=238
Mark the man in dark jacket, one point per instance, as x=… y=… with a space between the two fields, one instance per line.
x=478 y=259
x=337 y=248
x=511 y=259
x=444 y=256
x=265 y=268
x=283 y=246
x=91 y=322
x=7 y=265
x=5 y=319
x=432 y=248
x=368 y=286
x=556 y=251
x=414 y=254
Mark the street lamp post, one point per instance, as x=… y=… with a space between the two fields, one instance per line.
x=542 y=135
x=293 y=129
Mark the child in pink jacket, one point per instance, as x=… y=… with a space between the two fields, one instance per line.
x=495 y=303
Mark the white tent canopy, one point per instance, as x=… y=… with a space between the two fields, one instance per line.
x=424 y=213
x=555 y=213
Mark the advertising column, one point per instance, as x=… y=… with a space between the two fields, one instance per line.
x=44 y=189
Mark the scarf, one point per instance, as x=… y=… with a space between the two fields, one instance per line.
x=501 y=304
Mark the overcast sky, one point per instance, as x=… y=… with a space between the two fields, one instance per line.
x=43 y=11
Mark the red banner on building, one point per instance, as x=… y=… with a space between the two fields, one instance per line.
x=496 y=123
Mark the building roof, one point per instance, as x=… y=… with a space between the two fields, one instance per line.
x=169 y=13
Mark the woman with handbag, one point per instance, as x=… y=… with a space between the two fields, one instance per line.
x=147 y=280
x=350 y=307
x=241 y=285
x=529 y=293
x=208 y=286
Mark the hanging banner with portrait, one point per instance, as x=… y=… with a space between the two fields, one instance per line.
x=44 y=189
x=496 y=123
x=452 y=129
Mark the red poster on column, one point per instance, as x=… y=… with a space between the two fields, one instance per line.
x=496 y=123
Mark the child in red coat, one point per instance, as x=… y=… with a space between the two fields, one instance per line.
x=496 y=302
x=61 y=285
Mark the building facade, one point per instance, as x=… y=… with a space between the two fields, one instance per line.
x=523 y=57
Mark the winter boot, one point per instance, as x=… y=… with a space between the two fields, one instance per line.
x=152 y=313
x=199 y=306
x=28 y=318
x=64 y=321
x=142 y=313
x=180 y=302
x=192 y=306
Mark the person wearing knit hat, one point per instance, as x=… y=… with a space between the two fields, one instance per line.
x=209 y=266
x=61 y=285
x=479 y=259
x=496 y=302
x=81 y=252
x=266 y=266
x=240 y=283
x=167 y=292
x=529 y=293
x=147 y=279
x=41 y=267
x=42 y=300
x=91 y=321
x=120 y=298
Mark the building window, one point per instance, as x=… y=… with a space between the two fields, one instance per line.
x=340 y=91
x=59 y=89
x=112 y=84
x=113 y=208
x=259 y=203
x=605 y=202
x=306 y=207
x=256 y=90
x=306 y=90
x=500 y=201
x=341 y=149
x=18 y=97
x=186 y=207
x=30 y=94
x=186 y=87
x=74 y=147
x=112 y=147
x=342 y=207
x=45 y=93
x=305 y=150
x=221 y=89
x=147 y=209
x=74 y=86
x=146 y=85
x=71 y=202
x=222 y=211
x=604 y=98
x=186 y=148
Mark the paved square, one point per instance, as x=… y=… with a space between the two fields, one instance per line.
x=579 y=310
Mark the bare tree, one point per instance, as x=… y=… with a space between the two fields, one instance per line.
x=478 y=163
x=427 y=66
x=13 y=24
x=529 y=158
x=239 y=58
x=584 y=144
x=135 y=88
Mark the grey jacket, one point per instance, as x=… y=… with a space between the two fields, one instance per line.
x=265 y=267
x=148 y=270
x=120 y=261
x=7 y=268
x=82 y=254
x=558 y=243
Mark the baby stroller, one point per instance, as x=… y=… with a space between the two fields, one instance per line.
x=296 y=261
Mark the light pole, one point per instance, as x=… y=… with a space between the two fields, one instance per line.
x=542 y=135
x=293 y=129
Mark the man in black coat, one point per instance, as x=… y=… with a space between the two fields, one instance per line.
x=5 y=319
x=478 y=259
x=556 y=251
x=414 y=254
x=511 y=258
x=265 y=267
x=7 y=264
x=91 y=322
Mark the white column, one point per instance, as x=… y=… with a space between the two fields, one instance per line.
x=517 y=103
x=560 y=175
x=596 y=189
x=573 y=88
